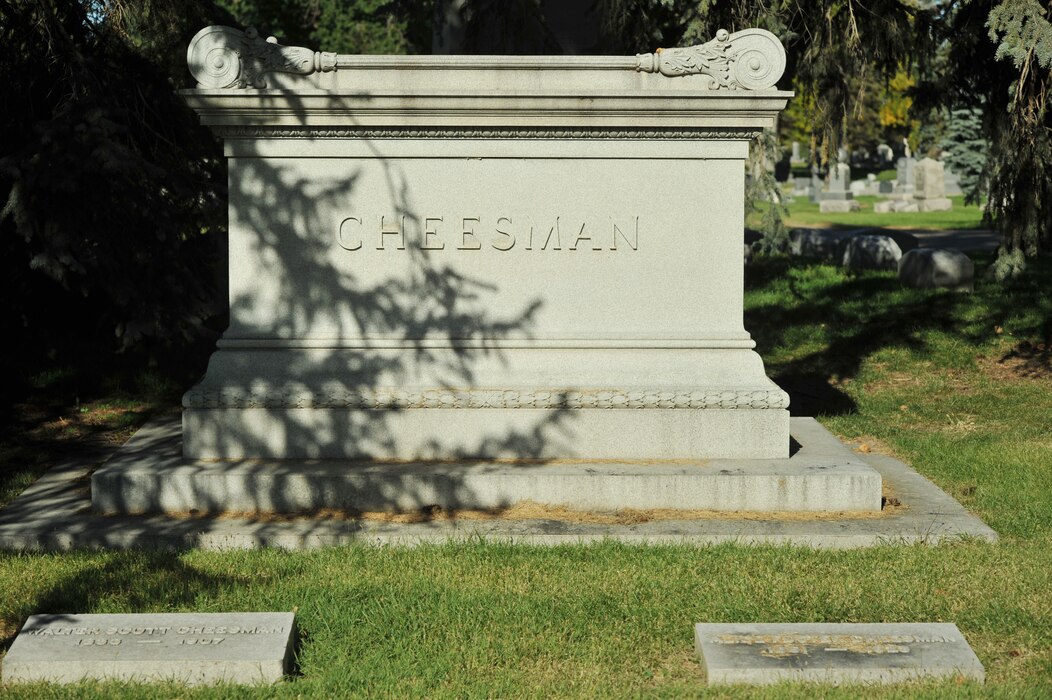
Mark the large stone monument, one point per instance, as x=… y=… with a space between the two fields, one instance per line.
x=474 y=259
x=443 y=257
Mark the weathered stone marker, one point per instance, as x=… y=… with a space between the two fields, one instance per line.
x=469 y=261
x=758 y=654
x=931 y=186
x=191 y=648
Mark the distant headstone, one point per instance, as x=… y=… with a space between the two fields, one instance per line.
x=883 y=207
x=885 y=153
x=796 y=152
x=930 y=186
x=926 y=268
x=762 y=654
x=816 y=186
x=871 y=252
x=839 y=198
x=905 y=174
x=190 y=648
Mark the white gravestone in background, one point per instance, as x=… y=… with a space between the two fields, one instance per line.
x=930 y=193
x=486 y=256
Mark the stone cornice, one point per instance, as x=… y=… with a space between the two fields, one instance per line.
x=225 y=58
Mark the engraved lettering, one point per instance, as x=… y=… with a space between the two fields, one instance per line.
x=554 y=230
x=633 y=243
x=510 y=238
x=469 y=232
x=780 y=645
x=347 y=235
x=398 y=230
x=428 y=232
x=476 y=233
x=582 y=237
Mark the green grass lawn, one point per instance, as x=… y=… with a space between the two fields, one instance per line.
x=959 y=385
x=804 y=213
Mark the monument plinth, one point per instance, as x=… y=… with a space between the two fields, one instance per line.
x=464 y=263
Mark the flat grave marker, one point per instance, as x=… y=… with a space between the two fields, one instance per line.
x=190 y=648
x=760 y=654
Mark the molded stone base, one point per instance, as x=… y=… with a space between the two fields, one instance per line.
x=940 y=204
x=150 y=475
x=486 y=433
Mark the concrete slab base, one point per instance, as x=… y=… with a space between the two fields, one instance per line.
x=938 y=204
x=838 y=206
x=149 y=475
x=54 y=514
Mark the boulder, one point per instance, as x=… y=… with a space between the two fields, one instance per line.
x=926 y=268
x=871 y=252
x=883 y=207
x=813 y=243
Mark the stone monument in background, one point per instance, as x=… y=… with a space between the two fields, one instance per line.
x=905 y=176
x=930 y=186
x=838 y=198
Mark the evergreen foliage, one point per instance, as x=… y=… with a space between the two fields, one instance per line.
x=343 y=26
x=111 y=195
x=762 y=194
x=1020 y=204
x=964 y=150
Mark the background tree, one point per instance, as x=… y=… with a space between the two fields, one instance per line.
x=111 y=195
x=343 y=26
x=1020 y=172
x=964 y=150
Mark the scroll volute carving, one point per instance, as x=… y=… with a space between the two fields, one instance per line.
x=752 y=59
x=224 y=57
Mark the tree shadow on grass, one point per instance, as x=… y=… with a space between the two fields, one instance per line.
x=849 y=318
x=137 y=580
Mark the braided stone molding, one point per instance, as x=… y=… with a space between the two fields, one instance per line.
x=256 y=132
x=759 y=398
x=752 y=59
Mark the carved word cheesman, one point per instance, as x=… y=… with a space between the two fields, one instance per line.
x=502 y=233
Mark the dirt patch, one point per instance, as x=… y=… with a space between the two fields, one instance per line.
x=1027 y=360
x=867 y=444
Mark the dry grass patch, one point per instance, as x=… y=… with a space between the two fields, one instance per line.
x=529 y=510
